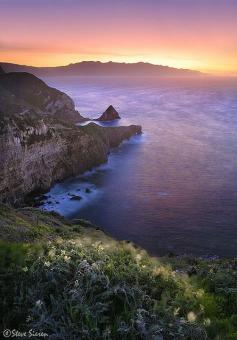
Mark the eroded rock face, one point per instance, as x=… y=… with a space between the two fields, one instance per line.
x=109 y=114
x=38 y=148
x=33 y=159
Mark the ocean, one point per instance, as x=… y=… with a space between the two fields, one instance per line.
x=174 y=188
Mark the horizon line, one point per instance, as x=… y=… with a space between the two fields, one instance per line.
x=219 y=74
x=106 y=62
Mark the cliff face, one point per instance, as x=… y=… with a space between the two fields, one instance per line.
x=37 y=148
x=33 y=159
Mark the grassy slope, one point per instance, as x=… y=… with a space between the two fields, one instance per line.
x=76 y=282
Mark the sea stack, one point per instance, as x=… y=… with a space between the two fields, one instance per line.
x=109 y=114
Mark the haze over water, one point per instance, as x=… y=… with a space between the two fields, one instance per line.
x=175 y=187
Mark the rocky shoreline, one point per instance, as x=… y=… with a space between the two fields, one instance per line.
x=39 y=141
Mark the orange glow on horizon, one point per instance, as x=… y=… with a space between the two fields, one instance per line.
x=52 y=60
x=195 y=35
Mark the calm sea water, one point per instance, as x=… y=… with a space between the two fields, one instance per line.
x=175 y=187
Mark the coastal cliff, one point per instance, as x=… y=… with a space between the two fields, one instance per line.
x=39 y=145
x=68 y=279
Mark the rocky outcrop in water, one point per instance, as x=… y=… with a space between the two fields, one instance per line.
x=109 y=114
x=39 y=145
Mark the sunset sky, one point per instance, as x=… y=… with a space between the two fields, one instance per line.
x=196 y=34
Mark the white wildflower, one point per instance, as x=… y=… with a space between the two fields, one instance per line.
x=95 y=265
x=138 y=257
x=191 y=317
x=84 y=263
x=207 y=322
x=39 y=303
x=52 y=253
x=176 y=311
x=47 y=264
x=67 y=258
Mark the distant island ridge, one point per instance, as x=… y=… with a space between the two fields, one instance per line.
x=97 y=68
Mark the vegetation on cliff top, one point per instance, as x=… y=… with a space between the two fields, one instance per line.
x=74 y=282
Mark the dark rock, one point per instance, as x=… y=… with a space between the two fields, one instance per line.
x=88 y=191
x=42 y=198
x=1 y=70
x=37 y=204
x=171 y=254
x=83 y=223
x=109 y=114
x=192 y=271
x=76 y=198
